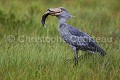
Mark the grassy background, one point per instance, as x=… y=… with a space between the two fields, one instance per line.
x=23 y=58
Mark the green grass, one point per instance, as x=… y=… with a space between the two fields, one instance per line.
x=26 y=55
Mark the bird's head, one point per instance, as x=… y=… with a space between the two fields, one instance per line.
x=59 y=12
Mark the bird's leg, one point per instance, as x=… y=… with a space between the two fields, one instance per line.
x=76 y=56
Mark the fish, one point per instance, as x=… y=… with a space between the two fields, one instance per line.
x=52 y=12
x=44 y=18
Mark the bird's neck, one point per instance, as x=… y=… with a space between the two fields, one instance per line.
x=62 y=21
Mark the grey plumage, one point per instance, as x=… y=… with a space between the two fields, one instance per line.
x=75 y=38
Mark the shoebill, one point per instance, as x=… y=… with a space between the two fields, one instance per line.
x=75 y=38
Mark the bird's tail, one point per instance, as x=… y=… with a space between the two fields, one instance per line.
x=101 y=51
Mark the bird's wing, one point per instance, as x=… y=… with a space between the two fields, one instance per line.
x=84 y=41
x=76 y=32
